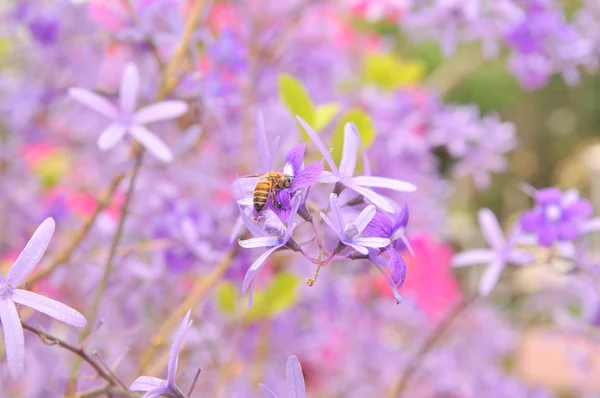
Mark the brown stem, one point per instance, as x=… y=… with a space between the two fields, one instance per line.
x=105 y=390
x=65 y=254
x=428 y=344
x=79 y=351
x=107 y=269
x=202 y=286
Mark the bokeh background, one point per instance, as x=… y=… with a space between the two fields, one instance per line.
x=515 y=81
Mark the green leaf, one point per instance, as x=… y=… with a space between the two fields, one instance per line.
x=227 y=296
x=295 y=97
x=389 y=72
x=365 y=127
x=280 y=296
x=324 y=114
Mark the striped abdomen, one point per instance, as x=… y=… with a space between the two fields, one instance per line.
x=261 y=194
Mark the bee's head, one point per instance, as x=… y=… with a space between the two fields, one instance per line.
x=287 y=182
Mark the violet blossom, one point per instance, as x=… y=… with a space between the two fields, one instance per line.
x=558 y=217
x=294 y=378
x=125 y=119
x=274 y=236
x=14 y=341
x=155 y=387
x=502 y=251
x=345 y=174
x=351 y=234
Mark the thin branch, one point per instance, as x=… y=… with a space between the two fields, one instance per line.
x=65 y=254
x=428 y=344
x=107 y=267
x=203 y=284
x=110 y=371
x=193 y=385
x=48 y=339
x=108 y=390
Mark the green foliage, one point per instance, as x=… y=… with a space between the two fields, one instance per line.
x=389 y=72
x=324 y=114
x=280 y=296
x=227 y=297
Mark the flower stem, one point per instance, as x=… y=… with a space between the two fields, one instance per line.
x=427 y=345
x=65 y=254
x=311 y=281
x=71 y=387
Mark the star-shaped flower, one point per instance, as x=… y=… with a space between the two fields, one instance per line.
x=501 y=252
x=125 y=119
x=274 y=236
x=294 y=378
x=155 y=387
x=351 y=234
x=14 y=342
x=345 y=173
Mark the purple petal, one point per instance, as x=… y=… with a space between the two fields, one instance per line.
x=296 y=200
x=253 y=227
x=268 y=393
x=175 y=347
x=327 y=177
x=348 y=162
x=31 y=254
x=402 y=219
x=382 y=182
x=336 y=214
x=548 y=196
x=520 y=257
x=374 y=197
x=371 y=242
x=262 y=144
x=307 y=176
x=159 y=392
x=294 y=160
x=94 y=102
x=14 y=341
x=548 y=235
x=378 y=262
x=130 y=82
x=531 y=220
x=111 y=136
x=164 y=110
x=55 y=309
x=365 y=217
x=152 y=143
x=145 y=383
x=490 y=278
x=358 y=248
x=332 y=225
x=580 y=209
x=255 y=267
x=320 y=146
x=295 y=378
x=398 y=268
x=380 y=226
x=567 y=231
x=591 y=225
x=266 y=241
x=365 y=158
x=472 y=257
x=491 y=229
x=189 y=231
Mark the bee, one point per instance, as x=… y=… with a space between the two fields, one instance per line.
x=268 y=184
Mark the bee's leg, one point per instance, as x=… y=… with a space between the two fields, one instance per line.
x=275 y=202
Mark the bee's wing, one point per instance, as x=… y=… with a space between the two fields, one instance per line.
x=254 y=176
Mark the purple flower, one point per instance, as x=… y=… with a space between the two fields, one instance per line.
x=155 y=387
x=274 y=235
x=556 y=216
x=14 y=342
x=294 y=378
x=344 y=175
x=501 y=252
x=351 y=234
x=125 y=119
x=383 y=227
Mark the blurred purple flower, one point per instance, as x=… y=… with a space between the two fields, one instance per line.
x=155 y=387
x=294 y=378
x=274 y=236
x=44 y=30
x=501 y=252
x=344 y=175
x=351 y=234
x=558 y=217
x=14 y=342
x=125 y=119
